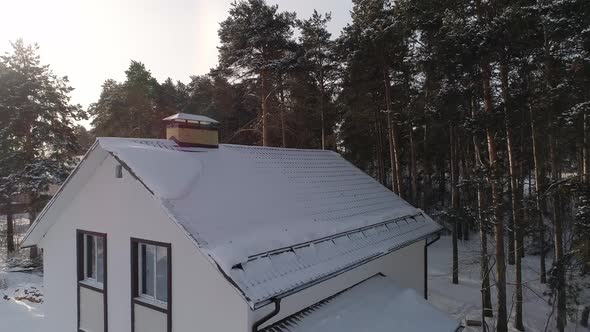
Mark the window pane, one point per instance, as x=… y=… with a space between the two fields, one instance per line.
x=162 y=274
x=100 y=259
x=90 y=258
x=147 y=269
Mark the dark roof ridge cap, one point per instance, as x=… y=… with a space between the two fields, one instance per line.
x=278 y=148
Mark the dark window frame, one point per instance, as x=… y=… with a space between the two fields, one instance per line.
x=92 y=268
x=135 y=295
x=81 y=273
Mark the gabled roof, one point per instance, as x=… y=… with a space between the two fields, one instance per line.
x=273 y=220
x=376 y=305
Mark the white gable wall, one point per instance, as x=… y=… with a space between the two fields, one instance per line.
x=404 y=266
x=122 y=209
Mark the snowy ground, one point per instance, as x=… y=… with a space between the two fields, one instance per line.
x=464 y=300
x=21 y=286
x=21 y=307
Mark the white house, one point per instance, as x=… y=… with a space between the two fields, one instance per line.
x=185 y=234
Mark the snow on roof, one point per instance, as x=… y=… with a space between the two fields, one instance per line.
x=376 y=304
x=190 y=118
x=273 y=220
x=265 y=276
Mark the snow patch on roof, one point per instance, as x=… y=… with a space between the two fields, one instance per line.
x=376 y=305
x=270 y=275
x=169 y=172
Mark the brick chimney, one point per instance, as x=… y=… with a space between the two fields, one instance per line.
x=190 y=130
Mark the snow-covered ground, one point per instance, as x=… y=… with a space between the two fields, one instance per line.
x=21 y=307
x=464 y=300
x=21 y=285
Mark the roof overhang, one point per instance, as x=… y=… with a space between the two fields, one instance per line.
x=376 y=304
x=381 y=252
x=65 y=194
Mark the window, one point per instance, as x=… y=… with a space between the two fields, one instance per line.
x=151 y=277
x=153 y=272
x=93 y=258
x=91 y=272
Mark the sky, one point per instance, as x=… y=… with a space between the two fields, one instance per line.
x=93 y=40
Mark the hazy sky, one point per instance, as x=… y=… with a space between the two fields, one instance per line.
x=92 y=40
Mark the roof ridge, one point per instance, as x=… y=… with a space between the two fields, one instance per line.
x=134 y=139
x=276 y=148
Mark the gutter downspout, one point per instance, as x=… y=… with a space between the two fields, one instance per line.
x=426 y=264
x=267 y=317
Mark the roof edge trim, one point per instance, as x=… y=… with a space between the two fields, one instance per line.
x=31 y=230
x=329 y=276
x=333 y=236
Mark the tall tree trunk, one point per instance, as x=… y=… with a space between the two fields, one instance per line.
x=559 y=264
x=413 y=169
x=392 y=134
x=394 y=182
x=322 y=121
x=585 y=315
x=487 y=310
x=539 y=195
x=380 y=150
x=586 y=151
x=426 y=161
x=502 y=319
x=442 y=183
x=33 y=253
x=9 y=227
x=511 y=160
x=31 y=196
x=283 y=130
x=485 y=270
x=454 y=201
x=514 y=256
x=525 y=221
x=264 y=107
x=464 y=174
x=558 y=238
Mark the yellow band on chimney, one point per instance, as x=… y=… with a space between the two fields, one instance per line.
x=193 y=136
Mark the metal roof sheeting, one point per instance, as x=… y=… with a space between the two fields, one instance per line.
x=276 y=273
x=374 y=305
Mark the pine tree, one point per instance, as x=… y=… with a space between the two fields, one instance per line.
x=319 y=61
x=255 y=40
x=37 y=125
x=128 y=109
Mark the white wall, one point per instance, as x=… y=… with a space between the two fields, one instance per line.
x=91 y=310
x=405 y=266
x=122 y=208
x=149 y=320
